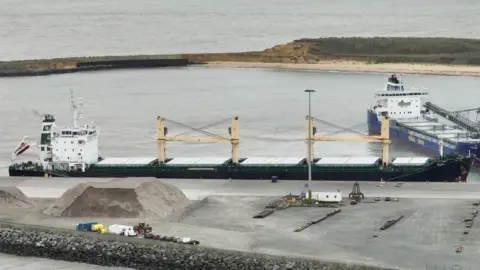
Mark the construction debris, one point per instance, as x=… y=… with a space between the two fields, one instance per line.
x=390 y=223
x=469 y=220
x=264 y=213
x=281 y=204
x=310 y=223
x=274 y=204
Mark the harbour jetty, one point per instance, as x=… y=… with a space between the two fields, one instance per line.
x=220 y=215
x=445 y=56
x=70 y=65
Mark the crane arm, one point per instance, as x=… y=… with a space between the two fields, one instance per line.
x=196 y=140
x=348 y=138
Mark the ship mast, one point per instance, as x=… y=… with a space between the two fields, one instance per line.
x=75 y=106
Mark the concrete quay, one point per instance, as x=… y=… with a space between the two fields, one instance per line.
x=432 y=227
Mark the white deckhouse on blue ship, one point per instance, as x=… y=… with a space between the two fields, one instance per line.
x=421 y=123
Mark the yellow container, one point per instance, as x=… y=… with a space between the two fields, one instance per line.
x=98 y=228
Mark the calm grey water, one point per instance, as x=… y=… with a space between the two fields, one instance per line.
x=53 y=28
x=270 y=103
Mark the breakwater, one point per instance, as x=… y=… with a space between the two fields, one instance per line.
x=61 y=66
x=329 y=52
x=23 y=240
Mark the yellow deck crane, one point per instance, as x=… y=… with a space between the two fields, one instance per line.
x=383 y=138
x=162 y=138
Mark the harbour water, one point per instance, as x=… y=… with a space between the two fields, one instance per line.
x=51 y=28
x=271 y=103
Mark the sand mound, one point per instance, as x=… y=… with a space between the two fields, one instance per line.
x=120 y=198
x=14 y=197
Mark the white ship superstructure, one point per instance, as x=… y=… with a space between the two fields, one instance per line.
x=68 y=148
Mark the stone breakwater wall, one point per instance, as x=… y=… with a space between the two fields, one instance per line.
x=23 y=240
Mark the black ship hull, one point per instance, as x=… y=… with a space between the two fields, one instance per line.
x=449 y=170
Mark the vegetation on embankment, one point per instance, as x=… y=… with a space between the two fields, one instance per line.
x=371 y=50
x=376 y=50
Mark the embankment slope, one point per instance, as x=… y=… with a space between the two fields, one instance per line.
x=443 y=56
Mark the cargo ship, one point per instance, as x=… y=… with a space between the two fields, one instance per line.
x=421 y=123
x=73 y=151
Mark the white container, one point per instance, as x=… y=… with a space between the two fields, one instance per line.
x=334 y=197
x=117 y=229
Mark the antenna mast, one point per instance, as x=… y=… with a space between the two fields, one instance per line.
x=75 y=106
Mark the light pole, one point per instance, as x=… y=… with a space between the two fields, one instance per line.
x=309 y=159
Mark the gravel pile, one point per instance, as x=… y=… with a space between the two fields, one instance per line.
x=143 y=255
x=14 y=197
x=124 y=198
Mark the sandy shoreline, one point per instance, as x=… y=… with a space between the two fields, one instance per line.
x=357 y=66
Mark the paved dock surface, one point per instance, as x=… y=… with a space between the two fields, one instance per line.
x=198 y=189
x=424 y=239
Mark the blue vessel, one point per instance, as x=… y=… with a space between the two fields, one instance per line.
x=421 y=123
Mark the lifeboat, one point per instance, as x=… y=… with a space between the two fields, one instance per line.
x=24 y=146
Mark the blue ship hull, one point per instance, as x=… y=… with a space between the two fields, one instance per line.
x=402 y=135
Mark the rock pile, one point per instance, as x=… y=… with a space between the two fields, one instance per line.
x=142 y=255
x=125 y=198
